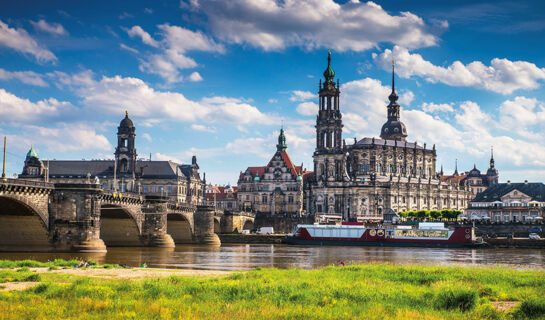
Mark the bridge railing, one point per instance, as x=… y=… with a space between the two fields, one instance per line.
x=26 y=183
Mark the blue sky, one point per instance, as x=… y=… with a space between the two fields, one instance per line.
x=217 y=78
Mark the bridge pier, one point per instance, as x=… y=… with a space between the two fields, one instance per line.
x=74 y=221
x=154 y=230
x=204 y=226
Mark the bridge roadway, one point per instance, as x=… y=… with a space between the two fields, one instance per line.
x=40 y=216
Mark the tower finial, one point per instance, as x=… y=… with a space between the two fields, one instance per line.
x=456 y=167
x=492 y=157
x=126 y=113
x=329 y=74
x=393 y=72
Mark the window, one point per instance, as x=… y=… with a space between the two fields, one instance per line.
x=290 y=199
x=264 y=198
x=364 y=167
x=161 y=188
x=379 y=168
x=153 y=189
x=104 y=185
x=145 y=189
x=247 y=197
x=403 y=199
x=169 y=189
x=414 y=200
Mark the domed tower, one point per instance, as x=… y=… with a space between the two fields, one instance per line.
x=282 y=145
x=393 y=129
x=125 y=153
x=33 y=164
x=492 y=173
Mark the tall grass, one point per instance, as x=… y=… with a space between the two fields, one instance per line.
x=37 y=264
x=353 y=292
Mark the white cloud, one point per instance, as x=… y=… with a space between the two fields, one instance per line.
x=165 y=157
x=307 y=108
x=137 y=31
x=203 y=128
x=13 y=108
x=434 y=107
x=521 y=115
x=406 y=97
x=275 y=25
x=502 y=75
x=21 y=41
x=28 y=77
x=53 y=28
x=195 y=77
x=176 y=42
x=298 y=95
x=126 y=47
x=146 y=136
x=271 y=100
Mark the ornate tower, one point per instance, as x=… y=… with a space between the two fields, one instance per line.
x=393 y=129
x=33 y=164
x=281 y=146
x=492 y=173
x=328 y=155
x=125 y=153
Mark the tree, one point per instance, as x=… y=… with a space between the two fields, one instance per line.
x=422 y=214
x=435 y=214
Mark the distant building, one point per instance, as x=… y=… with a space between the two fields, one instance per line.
x=473 y=179
x=509 y=202
x=275 y=188
x=222 y=197
x=361 y=180
x=180 y=182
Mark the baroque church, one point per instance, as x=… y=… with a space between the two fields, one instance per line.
x=360 y=181
x=181 y=183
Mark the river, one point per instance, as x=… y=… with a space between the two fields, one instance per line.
x=247 y=256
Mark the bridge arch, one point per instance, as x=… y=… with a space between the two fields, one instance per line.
x=248 y=225
x=119 y=226
x=217 y=224
x=180 y=228
x=23 y=226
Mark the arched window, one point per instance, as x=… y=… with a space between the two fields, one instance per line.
x=364 y=167
x=379 y=168
x=390 y=168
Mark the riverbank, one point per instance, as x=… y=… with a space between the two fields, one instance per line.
x=371 y=291
x=252 y=238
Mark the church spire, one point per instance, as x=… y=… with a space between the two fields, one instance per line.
x=492 y=157
x=393 y=96
x=393 y=129
x=456 y=167
x=281 y=146
x=329 y=74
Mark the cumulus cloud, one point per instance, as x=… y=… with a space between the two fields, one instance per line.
x=298 y=95
x=275 y=25
x=53 y=28
x=523 y=116
x=437 y=107
x=27 y=77
x=115 y=94
x=174 y=45
x=19 y=40
x=203 y=128
x=502 y=75
x=13 y=108
x=195 y=77
x=307 y=108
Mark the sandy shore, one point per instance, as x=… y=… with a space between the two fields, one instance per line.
x=131 y=274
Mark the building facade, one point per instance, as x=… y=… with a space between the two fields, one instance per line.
x=276 y=188
x=509 y=202
x=359 y=181
x=474 y=179
x=181 y=183
x=222 y=197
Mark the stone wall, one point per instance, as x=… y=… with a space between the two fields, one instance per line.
x=252 y=238
x=280 y=222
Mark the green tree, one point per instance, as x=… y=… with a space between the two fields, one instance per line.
x=422 y=214
x=435 y=214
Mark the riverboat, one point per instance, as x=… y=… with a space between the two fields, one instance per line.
x=425 y=234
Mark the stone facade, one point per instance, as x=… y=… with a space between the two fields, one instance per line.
x=181 y=183
x=275 y=188
x=509 y=202
x=359 y=181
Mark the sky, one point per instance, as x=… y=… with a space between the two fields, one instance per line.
x=218 y=79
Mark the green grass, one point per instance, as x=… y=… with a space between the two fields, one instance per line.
x=372 y=291
x=53 y=265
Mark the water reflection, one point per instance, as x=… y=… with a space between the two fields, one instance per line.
x=246 y=256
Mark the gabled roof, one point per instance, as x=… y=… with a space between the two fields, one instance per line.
x=536 y=190
x=260 y=171
x=457 y=179
x=222 y=193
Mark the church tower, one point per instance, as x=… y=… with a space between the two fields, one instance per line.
x=393 y=129
x=125 y=153
x=328 y=155
x=492 y=173
x=329 y=121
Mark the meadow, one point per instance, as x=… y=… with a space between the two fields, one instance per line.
x=370 y=291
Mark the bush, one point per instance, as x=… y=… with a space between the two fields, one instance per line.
x=23 y=269
x=41 y=288
x=455 y=298
x=33 y=278
x=533 y=308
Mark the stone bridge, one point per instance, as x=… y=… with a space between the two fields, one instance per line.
x=233 y=221
x=40 y=216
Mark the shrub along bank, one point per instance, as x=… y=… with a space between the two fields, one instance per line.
x=372 y=291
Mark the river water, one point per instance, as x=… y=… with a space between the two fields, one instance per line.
x=247 y=256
